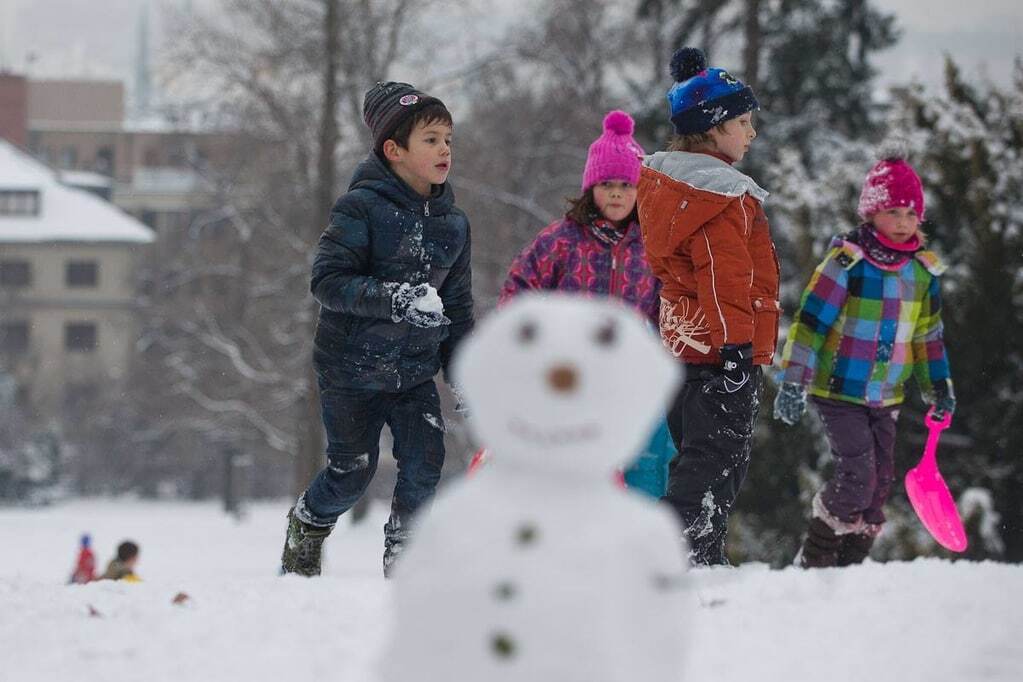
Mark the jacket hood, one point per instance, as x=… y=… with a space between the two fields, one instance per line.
x=374 y=174
x=852 y=253
x=705 y=172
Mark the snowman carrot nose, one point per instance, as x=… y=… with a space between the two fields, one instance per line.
x=562 y=378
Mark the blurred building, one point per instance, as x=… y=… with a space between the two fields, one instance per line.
x=156 y=170
x=68 y=318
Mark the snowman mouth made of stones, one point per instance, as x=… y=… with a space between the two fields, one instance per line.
x=559 y=380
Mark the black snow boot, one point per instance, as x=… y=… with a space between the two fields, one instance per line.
x=303 y=547
x=820 y=549
x=396 y=534
x=855 y=548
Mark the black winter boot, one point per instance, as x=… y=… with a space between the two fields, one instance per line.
x=303 y=547
x=396 y=534
x=855 y=548
x=820 y=549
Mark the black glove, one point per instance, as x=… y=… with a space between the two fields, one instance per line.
x=737 y=366
x=406 y=300
x=943 y=399
x=790 y=403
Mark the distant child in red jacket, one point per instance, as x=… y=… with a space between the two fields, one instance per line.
x=85 y=568
x=597 y=249
x=708 y=241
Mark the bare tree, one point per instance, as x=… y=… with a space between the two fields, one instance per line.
x=231 y=336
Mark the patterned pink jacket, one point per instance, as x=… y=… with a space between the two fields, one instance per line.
x=570 y=257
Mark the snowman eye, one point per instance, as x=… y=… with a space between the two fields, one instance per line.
x=527 y=332
x=607 y=334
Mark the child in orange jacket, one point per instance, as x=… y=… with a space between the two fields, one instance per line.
x=708 y=241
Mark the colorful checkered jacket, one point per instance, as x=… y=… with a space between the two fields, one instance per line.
x=862 y=330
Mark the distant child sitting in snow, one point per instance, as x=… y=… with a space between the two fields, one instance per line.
x=869 y=318
x=597 y=249
x=392 y=277
x=122 y=566
x=708 y=241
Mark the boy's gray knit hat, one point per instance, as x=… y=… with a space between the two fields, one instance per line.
x=388 y=104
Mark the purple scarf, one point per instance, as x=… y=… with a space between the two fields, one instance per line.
x=880 y=251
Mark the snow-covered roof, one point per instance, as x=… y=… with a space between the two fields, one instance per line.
x=66 y=214
x=85 y=179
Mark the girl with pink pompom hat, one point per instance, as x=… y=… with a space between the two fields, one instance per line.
x=597 y=249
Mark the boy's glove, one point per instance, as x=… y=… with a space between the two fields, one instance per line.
x=737 y=364
x=790 y=403
x=943 y=401
x=419 y=305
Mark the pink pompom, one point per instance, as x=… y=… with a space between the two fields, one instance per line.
x=619 y=123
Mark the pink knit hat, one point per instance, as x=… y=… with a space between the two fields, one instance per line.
x=614 y=155
x=891 y=183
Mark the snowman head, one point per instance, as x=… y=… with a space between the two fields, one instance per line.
x=564 y=382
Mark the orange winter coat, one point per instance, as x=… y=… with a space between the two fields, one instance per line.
x=708 y=242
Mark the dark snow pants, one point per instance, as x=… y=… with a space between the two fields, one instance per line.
x=713 y=431
x=354 y=419
x=863 y=444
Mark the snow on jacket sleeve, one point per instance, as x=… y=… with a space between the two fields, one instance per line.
x=724 y=278
x=456 y=292
x=930 y=361
x=339 y=282
x=821 y=304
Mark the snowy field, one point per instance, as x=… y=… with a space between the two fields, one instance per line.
x=926 y=620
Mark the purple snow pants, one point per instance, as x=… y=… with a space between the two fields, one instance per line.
x=863 y=443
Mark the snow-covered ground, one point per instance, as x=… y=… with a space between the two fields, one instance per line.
x=926 y=620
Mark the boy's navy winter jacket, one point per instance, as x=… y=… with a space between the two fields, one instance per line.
x=382 y=233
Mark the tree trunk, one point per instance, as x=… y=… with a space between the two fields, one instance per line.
x=310 y=432
x=751 y=51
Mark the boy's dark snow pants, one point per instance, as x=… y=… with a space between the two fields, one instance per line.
x=713 y=431
x=354 y=419
x=863 y=444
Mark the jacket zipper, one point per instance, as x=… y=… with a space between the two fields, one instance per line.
x=426 y=208
x=614 y=269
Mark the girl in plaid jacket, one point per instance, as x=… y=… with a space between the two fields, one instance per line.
x=869 y=319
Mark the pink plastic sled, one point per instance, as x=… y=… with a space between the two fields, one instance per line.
x=929 y=494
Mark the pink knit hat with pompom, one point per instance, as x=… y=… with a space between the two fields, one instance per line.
x=891 y=183
x=614 y=155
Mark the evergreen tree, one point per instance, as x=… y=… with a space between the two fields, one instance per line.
x=968 y=140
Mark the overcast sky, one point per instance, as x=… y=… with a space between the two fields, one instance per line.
x=55 y=38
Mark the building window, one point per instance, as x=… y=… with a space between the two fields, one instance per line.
x=81 y=273
x=105 y=161
x=69 y=157
x=80 y=395
x=150 y=219
x=13 y=337
x=15 y=274
x=19 y=202
x=80 y=337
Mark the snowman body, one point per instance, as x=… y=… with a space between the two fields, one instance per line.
x=539 y=568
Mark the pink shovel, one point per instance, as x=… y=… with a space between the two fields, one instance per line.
x=929 y=494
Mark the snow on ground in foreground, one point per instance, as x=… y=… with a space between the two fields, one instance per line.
x=926 y=620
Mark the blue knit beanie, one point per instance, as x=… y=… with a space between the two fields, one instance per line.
x=702 y=98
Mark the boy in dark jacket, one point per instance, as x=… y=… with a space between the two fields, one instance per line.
x=392 y=278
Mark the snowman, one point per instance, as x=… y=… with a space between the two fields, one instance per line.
x=539 y=569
